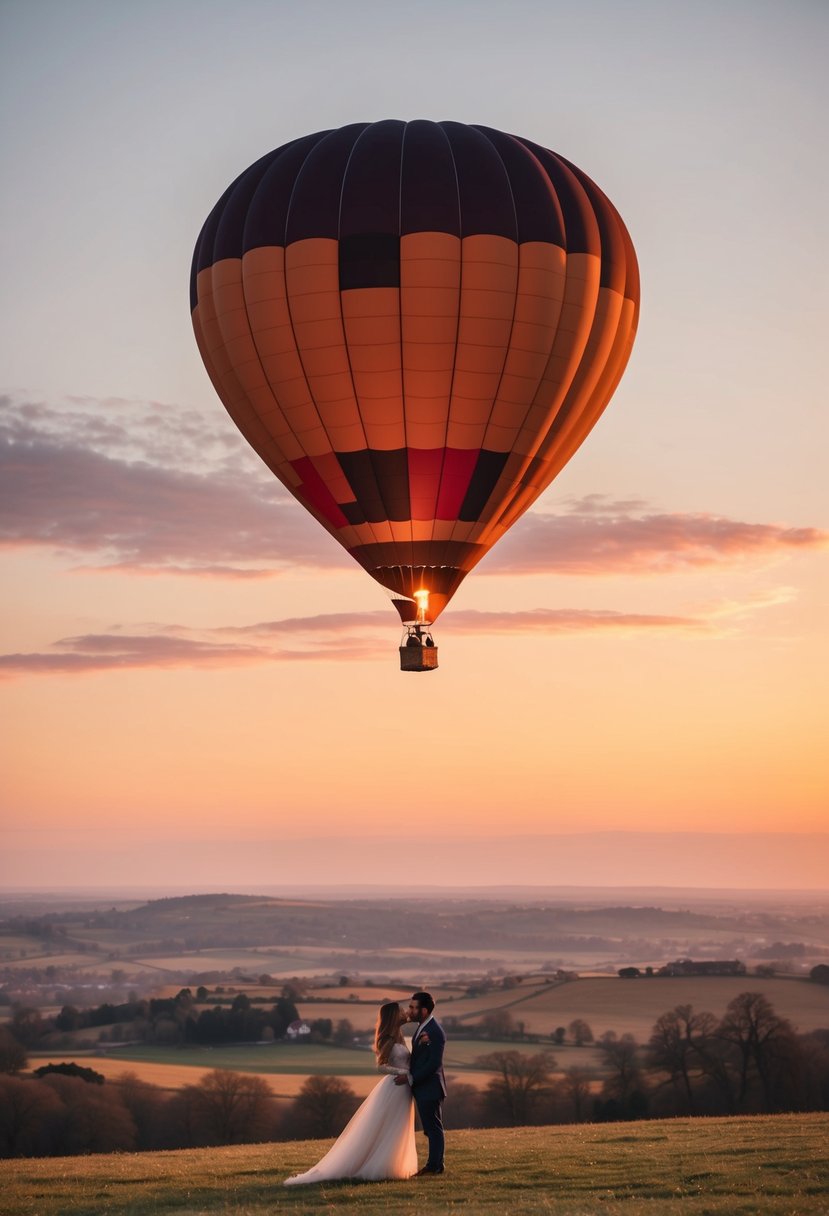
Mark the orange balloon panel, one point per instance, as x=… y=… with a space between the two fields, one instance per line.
x=415 y=325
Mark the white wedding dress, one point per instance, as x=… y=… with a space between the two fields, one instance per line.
x=379 y=1140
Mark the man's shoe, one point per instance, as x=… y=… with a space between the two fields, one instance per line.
x=427 y=1169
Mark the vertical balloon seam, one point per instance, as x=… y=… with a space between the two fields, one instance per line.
x=368 y=450
x=519 y=487
x=400 y=332
x=444 y=133
x=297 y=176
x=229 y=377
x=296 y=492
x=446 y=548
x=517 y=480
x=489 y=516
x=274 y=159
x=265 y=186
x=576 y=431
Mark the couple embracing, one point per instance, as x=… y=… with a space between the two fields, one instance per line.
x=379 y=1141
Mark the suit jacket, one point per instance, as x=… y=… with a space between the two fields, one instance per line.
x=428 y=1081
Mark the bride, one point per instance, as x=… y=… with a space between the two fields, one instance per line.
x=379 y=1141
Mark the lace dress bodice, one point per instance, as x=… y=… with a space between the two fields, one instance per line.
x=398 y=1063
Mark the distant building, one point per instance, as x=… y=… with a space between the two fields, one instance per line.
x=687 y=966
x=297 y=1029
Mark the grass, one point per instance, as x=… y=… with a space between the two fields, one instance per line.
x=762 y=1166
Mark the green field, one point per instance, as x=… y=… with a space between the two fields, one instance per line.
x=304 y=1059
x=632 y=1006
x=762 y=1166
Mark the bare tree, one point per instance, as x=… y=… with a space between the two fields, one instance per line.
x=758 y=1037
x=322 y=1108
x=678 y=1046
x=13 y=1057
x=523 y=1082
x=232 y=1108
x=95 y=1119
x=145 y=1103
x=621 y=1058
x=29 y=1115
x=466 y=1107
x=575 y=1087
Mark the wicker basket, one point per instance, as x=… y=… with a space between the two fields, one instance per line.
x=418 y=658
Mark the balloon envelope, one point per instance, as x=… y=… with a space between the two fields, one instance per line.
x=415 y=325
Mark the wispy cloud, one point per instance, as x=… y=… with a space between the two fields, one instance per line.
x=343 y=637
x=595 y=535
x=147 y=488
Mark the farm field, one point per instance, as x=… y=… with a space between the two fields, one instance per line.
x=632 y=1006
x=762 y=1166
x=175 y=1074
x=608 y=1003
x=286 y=1067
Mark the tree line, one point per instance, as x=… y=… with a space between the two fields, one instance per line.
x=167 y=1020
x=751 y=1060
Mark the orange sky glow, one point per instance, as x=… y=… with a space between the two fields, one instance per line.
x=191 y=668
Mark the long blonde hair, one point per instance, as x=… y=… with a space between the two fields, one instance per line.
x=388 y=1031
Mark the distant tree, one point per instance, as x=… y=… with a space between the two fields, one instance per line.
x=559 y=1034
x=283 y=1013
x=27 y=1025
x=230 y=1108
x=89 y=1075
x=678 y=1046
x=343 y=981
x=466 y=1108
x=322 y=1028
x=322 y=1107
x=620 y=1057
x=29 y=1116
x=145 y=1104
x=575 y=1088
x=629 y=973
x=96 y=1120
x=68 y=1019
x=201 y=993
x=521 y=1085
x=498 y=1024
x=343 y=1033
x=13 y=1056
x=820 y=974
x=758 y=1038
x=580 y=1032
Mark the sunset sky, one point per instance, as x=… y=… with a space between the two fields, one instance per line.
x=193 y=670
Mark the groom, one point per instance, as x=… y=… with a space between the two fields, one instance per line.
x=426 y=1077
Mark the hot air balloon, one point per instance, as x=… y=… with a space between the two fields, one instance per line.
x=415 y=325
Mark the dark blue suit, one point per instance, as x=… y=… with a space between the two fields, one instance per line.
x=429 y=1086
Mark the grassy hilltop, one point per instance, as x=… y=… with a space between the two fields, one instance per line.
x=761 y=1166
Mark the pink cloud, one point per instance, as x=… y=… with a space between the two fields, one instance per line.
x=336 y=637
x=596 y=536
x=90 y=486
x=145 y=488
